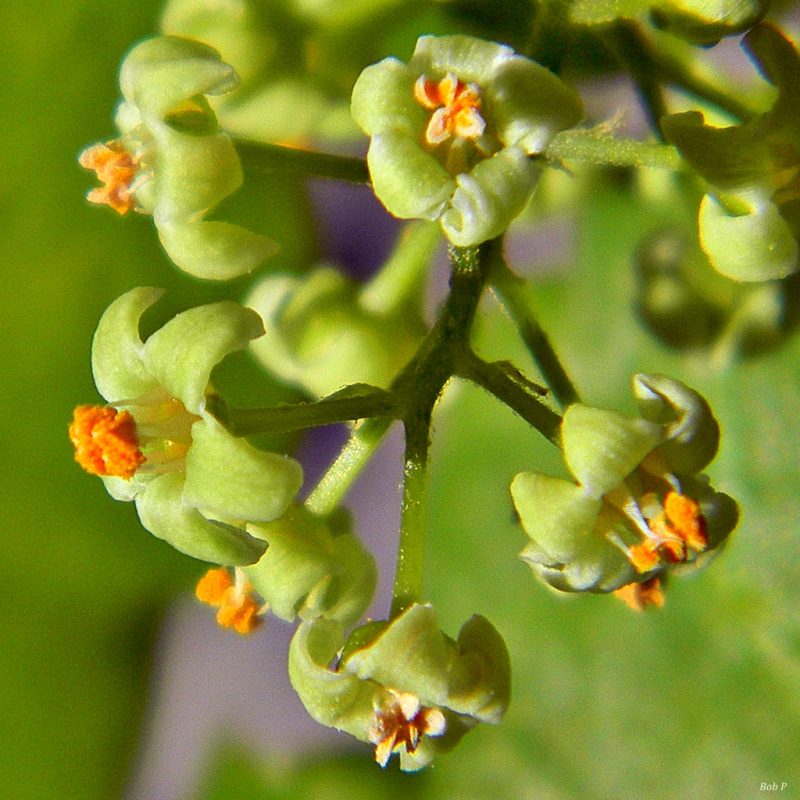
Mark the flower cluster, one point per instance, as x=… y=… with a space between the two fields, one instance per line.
x=457 y=139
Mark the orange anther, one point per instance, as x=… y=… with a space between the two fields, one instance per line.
x=644 y=557
x=105 y=441
x=639 y=596
x=212 y=586
x=239 y=611
x=686 y=520
x=400 y=722
x=237 y=608
x=455 y=106
x=116 y=169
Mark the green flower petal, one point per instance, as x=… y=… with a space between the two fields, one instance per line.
x=489 y=197
x=556 y=514
x=335 y=698
x=480 y=684
x=383 y=99
x=528 y=105
x=472 y=60
x=194 y=173
x=164 y=513
x=411 y=655
x=228 y=478
x=409 y=181
x=691 y=431
x=121 y=489
x=601 y=448
x=757 y=246
x=162 y=73
x=117 y=365
x=181 y=355
x=214 y=250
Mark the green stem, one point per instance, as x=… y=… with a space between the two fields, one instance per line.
x=514 y=393
x=400 y=280
x=410 y=551
x=678 y=73
x=599 y=147
x=632 y=50
x=421 y=384
x=354 y=456
x=509 y=289
x=330 y=410
x=274 y=158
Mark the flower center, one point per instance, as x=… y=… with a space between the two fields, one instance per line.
x=116 y=168
x=106 y=442
x=151 y=433
x=676 y=532
x=455 y=105
x=400 y=722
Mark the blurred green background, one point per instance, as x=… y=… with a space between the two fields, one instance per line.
x=698 y=700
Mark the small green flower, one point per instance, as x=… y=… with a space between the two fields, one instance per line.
x=451 y=132
x=312 y=567
x=194 y=484
x=319 y=335
x=171 y=159
x=403 y=686
x=750 y=223
x=637 y=507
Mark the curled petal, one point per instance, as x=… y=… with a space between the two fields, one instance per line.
x=117 y=365
x=756 y=246
x=213 y=250
x=228 y=478
x=601 y=448
x=408 y=180
x=488 y=198
x=161 y=73
x=163 y=511
x=692 y=432
x=202 y=336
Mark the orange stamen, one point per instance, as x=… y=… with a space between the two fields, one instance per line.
x=237 y=608
x=639 y=596
x=116 y=169
x=105 y=441
x=686 y=520
x=644 y=556
x=401 y=723
x=677 y=530
x=456 y=107
x=212 y=586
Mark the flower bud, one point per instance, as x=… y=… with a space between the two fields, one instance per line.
x=749 y=224
x=321 y=338
x=312 y=567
